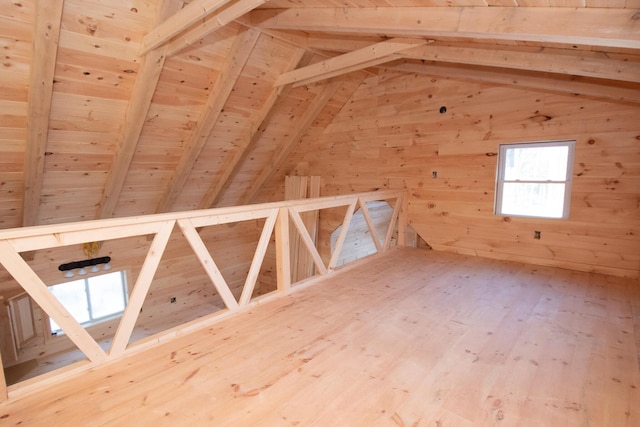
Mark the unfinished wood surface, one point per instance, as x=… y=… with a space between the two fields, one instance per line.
x=262 y=120
x=358 y=59
x=414 y=338
x=611 y=91
x=180 y=21
x=38 y=290
x=238 y=56
x=393 y=134
x=285 y=148
x=141 y=288
x=606 y=28
x=98 y=97
x=48 y=17
x=212 y=23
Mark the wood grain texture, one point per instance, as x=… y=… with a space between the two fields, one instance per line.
x=391 y=134
x=608 y=28
x=414 y=338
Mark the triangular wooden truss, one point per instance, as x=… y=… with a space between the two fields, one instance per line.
x=276 y=218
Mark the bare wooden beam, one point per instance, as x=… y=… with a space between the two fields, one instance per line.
x=258 y=258
x=588 y=63
x=346 y=222
x=45 y=51
x=609 y=91
x=302 y=126
x=238 y=56
x=207 y=262
x=283 y=254
x=368 y=56
x=212 y=23
x=308 y=242
x=190 y=14
x=35 y=287
x=563 y=61
x=276 y=97
x=141 y=288
x=4 y=394
x=370 y=225
x=604 y=27
x=137 y=110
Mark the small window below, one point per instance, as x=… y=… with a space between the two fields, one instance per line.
x=534 y=179
x=92 y=300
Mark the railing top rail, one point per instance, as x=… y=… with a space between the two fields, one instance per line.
x=321 y=202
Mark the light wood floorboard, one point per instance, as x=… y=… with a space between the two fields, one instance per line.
x=409 y=338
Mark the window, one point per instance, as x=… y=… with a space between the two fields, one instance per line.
x=92 y=300
x=534 y=179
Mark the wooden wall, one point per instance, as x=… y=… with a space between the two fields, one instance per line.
x=391 y=134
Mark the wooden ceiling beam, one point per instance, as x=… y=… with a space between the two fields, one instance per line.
x=604 y=27
x=587 y=63
x=141 y=96
x=261 y=122
x=43 y=63
x=584 y=63
x=284 y=150
x=240 y=52
x=180 y=21
x=375 y=54
x=628 y=93
x=211 y=23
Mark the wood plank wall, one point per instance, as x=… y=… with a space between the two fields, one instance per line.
x=391 y=134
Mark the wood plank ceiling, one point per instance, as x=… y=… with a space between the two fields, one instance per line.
x=113 y=108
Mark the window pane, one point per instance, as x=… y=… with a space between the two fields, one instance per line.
x=107 y=294
x=544 y=200
x=73 y=297
x=529 y=163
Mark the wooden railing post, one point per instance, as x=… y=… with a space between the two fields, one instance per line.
x=283 y=256
x=4 y=394
x=403 y=219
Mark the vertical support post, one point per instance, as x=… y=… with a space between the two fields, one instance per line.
x=4 y=394
x=283 y=256
x=403 y=219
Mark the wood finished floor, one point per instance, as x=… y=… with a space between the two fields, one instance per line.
x=410 y=338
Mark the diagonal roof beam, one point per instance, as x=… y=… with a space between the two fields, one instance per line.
x=603 y=27
x=587 y=63
x=240 y=51
x=212 y=23
x=622 y=92
x=276 y=97
x=562 y=61
x=182 y=20
x=376 y=54
x=301 y=128
x=45 y=50
x=137 y=109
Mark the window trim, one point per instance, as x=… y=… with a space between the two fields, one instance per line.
x=500 y=181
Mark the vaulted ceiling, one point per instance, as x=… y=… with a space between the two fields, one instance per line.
x=129 y=107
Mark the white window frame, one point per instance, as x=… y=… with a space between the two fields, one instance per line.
x=87 y=288
x=500 y=181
